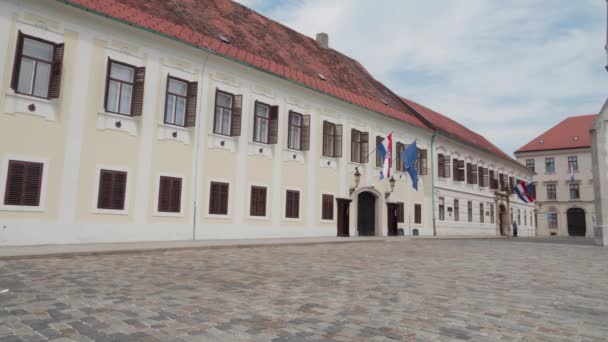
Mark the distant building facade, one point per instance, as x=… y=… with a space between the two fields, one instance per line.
x=562 y=161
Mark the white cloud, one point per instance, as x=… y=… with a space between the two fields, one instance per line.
x=495 y=66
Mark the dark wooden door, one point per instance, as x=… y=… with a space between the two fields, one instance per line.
x=576 y=222
x=343 y=216
x=392 y=218
x=366 y=214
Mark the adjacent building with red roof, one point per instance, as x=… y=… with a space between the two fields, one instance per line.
x=561 y=160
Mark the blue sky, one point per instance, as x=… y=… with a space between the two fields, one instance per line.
x=507 y=69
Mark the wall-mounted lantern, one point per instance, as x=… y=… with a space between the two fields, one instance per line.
x=357 y=180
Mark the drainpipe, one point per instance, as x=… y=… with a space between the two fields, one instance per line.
x=435 y=134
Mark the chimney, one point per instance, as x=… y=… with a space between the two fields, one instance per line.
x=323 y=40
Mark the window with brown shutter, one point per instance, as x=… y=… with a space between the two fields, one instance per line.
x=298 y=133
x=257 y=202
x=265 y=123
x=422 y=162
x=359 y=151
x=124 y=88
x=480 y=179
x=222 y=119
x=191 y=105
x=176 y=101
x=37 y=67
x=292 y=204
x=469 y=173
x=327 y=207
x=379 y=161
x=446 y=166
x=218 y=198
x=511 y=184
x=459 y=170
x=332 y=140
x=169 y=194
x=418 y=213
x=23 y=183
x=400 y=212
x=455 y=170
x=440 y=166
x=112 y=190
x=399 y=147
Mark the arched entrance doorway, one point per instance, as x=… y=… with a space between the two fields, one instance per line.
x=366 y=214
x=576 y=222
x=503 y=221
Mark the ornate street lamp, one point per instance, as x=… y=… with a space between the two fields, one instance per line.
x=357 y=180
x=391 y=183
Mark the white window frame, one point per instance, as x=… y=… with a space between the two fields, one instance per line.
x=95 y=196
x=43 y=186
x=155 y=211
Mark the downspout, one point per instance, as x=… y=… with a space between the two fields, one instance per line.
x=433 y=138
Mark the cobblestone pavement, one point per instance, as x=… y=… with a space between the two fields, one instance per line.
x=428 y=290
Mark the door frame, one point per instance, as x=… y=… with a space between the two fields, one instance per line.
x=343 y=217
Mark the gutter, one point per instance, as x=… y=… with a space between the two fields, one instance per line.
x=164 y=35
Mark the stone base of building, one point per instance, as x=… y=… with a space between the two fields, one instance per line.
x=601 y=235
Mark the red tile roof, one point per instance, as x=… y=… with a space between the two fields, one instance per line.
x=573 y=132
x=455 y=130
x=259 y=42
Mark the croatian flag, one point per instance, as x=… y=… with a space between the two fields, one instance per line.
x=524 y=191
x=385 y=149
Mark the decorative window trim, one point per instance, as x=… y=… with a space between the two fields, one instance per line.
x=125 y=210
x=155 y=211
x=16 y=103
x=174 y=133
x=261 y=150
x=284 y=205
x=334 y=207
x=117 y=122
x=43 y=185
x=268 y=208
x=228 y=215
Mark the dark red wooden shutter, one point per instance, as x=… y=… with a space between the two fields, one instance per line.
x=105 y=190
x=305 y=133
x=112 y=190
x=23 y=183
x=237 y=114
x=164 y=194
x=365 y=147
x=326 y=128
x=56 y=68
x=400 y=212
x=379 y=160
x=224 y=199
x=119 y=190
x=273 y=125
x=296 y=208
x=338 y=141
x=138 y=92
x=191 y=106
x=17 y=62
x=176 y=195
x=214 y=198
x=440 y=166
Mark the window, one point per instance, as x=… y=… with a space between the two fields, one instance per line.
x=327 y=209
x=480 y=178
x=533 y=190
x=400 y=212
x=112 y=190
x=257 y=202
x=37 y=67
x=180 y=102
x=493 y=180
x=574 y=191
x=573 y=162
x=292 y=204
x=443 y=166
x=458 y=170
x=441 y=209
x=470 y=211
x=551 y=192
x=265 y=123
x=218 y=198
x=332 y=140
x=519 y=216
x=359 y=151
x=511 y=183
x=481 y=213
x=525 y=219
x=422 y=162
x=400 y=147
x=379 y=161
x=169 y=195
x=418 y=213
x=228 y=112
x=491 y=213
x=471 y=173
x=552 y=220
x=299 y=131
x=502 y=184
x=23 y=183
x=124 y=88
x=456 y=210
x=549 y=165
x=530 y=164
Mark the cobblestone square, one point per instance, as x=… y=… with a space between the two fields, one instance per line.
x=427 y=290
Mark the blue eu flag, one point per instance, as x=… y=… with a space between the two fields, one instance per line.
x=410 y=163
